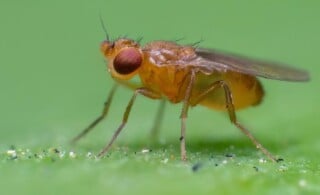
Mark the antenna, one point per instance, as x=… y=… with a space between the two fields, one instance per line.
x=104 y=28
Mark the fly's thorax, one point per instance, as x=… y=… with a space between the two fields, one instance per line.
x=166 y=52
x=169 y=80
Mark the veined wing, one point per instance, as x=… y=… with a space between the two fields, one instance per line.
x=214 y=60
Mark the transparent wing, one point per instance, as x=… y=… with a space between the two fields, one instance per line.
x=211 y=60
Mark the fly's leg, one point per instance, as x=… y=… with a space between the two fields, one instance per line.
x=158 y=120
x=143 y=91
x=100 y=118
x=232 y=115
x=183 y=116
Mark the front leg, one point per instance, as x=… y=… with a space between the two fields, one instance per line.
x=143 y=91
x=103 y=115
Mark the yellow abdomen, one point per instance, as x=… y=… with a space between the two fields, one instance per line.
x=246 y=90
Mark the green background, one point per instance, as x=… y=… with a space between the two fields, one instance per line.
x=53 y=82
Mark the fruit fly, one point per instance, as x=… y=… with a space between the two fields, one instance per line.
x=191 y=76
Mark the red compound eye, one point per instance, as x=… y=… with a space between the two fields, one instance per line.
x=127 y=61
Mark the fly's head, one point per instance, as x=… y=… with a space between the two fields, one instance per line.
x=124 y=57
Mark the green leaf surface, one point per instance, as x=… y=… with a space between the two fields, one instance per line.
x=54 y=81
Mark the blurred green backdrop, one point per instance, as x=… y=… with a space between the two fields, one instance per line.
x=53 y=82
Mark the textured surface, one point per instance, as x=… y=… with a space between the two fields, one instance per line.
x=53 y=82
